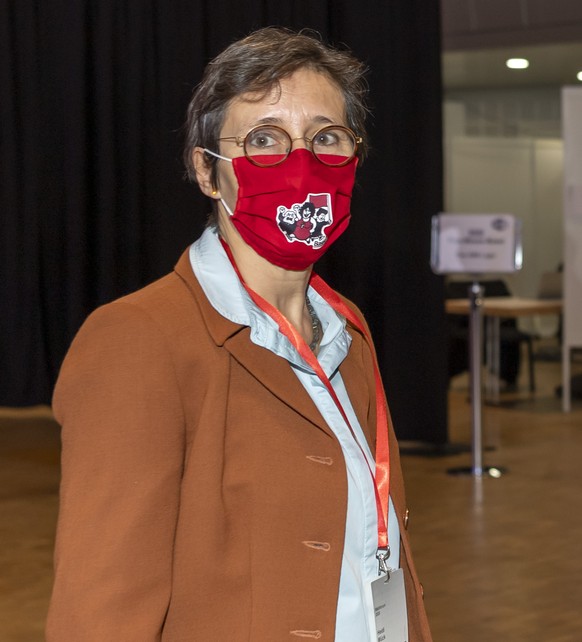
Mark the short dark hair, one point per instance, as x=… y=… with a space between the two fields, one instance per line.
x=258 y=63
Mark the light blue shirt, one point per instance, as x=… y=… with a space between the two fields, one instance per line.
x=355 y=613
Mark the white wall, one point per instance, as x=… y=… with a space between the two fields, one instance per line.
x=520 y=176
x=572 y=118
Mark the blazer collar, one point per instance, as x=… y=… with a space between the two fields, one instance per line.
x=272 y=371
x=220 y=328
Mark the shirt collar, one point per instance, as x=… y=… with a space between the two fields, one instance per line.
x=218 y=279
x=228 y=296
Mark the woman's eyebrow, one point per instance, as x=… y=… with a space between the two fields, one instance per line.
x=274 y=120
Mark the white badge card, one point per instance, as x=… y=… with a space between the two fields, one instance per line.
x=390 y=607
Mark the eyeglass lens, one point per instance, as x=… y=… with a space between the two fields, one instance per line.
x=270 y=145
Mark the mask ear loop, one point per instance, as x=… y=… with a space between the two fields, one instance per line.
x=226 y=207
x=214 y=192
x=224 y=158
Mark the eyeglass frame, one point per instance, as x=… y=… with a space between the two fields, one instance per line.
x=241 y=140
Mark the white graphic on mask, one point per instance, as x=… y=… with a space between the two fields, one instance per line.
x=305 y=222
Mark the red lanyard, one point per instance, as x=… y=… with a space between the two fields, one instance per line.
x=381 y=479
x=382 y=476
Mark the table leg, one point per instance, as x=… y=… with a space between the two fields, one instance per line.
x=566 y=381
x=496 y=356
x=492 y=358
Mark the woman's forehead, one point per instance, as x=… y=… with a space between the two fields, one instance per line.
x=306 y=96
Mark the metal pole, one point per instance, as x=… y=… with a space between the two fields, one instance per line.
x=476 y=293
x=475 y=367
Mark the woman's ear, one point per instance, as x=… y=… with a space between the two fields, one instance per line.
x=204 y=173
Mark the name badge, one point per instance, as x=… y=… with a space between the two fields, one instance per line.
x=390 y=607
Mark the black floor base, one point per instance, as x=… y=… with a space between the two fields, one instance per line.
x=487 y=471
x=422 y=449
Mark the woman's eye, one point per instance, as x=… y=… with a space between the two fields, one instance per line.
x=262 y=141
x=326 y=138
x=263 y=138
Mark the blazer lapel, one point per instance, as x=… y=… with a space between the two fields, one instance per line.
x=272 y=371
x=359 y=388
x=276 y=375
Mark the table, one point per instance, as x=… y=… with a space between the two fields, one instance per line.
x=494 y=309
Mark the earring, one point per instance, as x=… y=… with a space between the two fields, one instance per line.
x=214 y=192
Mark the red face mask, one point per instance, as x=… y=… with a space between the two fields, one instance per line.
x=291 y=213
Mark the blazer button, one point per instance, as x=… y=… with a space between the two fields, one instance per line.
x=326 y=461
x=406 y=518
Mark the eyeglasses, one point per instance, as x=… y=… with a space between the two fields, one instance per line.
x=270 y=145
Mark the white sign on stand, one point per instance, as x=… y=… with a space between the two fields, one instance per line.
x=476 y=243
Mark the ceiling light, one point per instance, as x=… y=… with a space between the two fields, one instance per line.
x=517 y=63
x=579 y=76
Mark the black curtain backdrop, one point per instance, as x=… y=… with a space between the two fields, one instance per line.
x=93 y=200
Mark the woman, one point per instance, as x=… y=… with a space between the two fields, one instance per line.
x=218 y=425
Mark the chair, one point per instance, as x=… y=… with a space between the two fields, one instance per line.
x=511 y=337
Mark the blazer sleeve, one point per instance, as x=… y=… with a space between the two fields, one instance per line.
x=118 y=403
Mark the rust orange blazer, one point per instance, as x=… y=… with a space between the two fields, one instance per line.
x=195 y=466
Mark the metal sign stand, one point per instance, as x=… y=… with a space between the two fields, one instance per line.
x=476 y=293
x=476 y=244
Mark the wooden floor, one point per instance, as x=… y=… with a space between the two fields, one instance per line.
x=500 y=559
